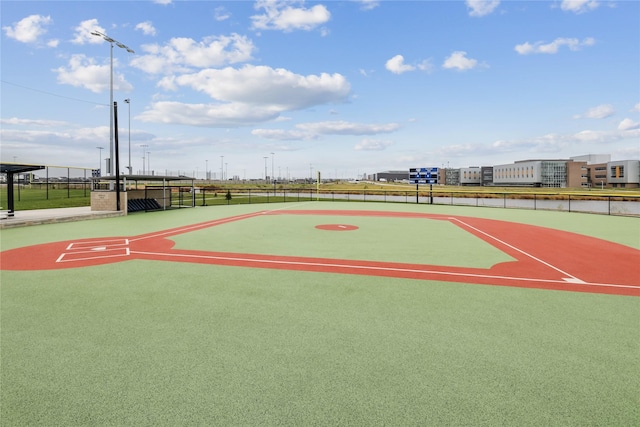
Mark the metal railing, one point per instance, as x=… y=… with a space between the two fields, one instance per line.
x=606 y=204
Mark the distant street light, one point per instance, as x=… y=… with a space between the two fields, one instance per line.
x=206 y=169
x=128 y=101
x=272 y=178
x=100 y=161
x=120 y=45
x=149 y=162
x=221 y=168
x=265 y=169
x=143 y=158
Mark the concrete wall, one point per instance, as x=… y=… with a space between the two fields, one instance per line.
x=106 y=201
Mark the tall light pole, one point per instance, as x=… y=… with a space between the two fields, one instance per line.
x=272 y=178
x=265 y=169
x=149 y=162
x=128 y=101
x=120 y=45
x=99 y=163
x=143 y=158
x=221 y=168
x=206 y=169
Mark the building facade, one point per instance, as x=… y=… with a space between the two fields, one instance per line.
x=591 y=170
x=624 y=174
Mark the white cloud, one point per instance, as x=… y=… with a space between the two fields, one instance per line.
x=481 y=7
x=248 y=95
x=83 y=32
x=347 y=128
x=282 y=15
x=29 y=29
x=261 y=85
x=372 y=145
x=283 y=135
x=182 y=54
x=163 y=2
x=147 y=28
x=459 y=61
x=220 y=14
x=628 y=124
x=207 y=115
x=600 y=112
x=549 y=143
x=579 y=6
x=313 y=130
x=84 y=72
x=369 y=4
x=397 y=66
x=636 y=108
x=553 y=47
x=15 y=121
x=425 y=65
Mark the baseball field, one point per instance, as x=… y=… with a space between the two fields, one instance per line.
x=322 y=313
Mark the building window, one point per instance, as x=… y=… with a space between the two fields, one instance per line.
x=617 y=171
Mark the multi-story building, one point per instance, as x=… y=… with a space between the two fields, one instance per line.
x=487 y=175
x=597 y=175
x=470 y=176
x=390 y=176
x=532 y=173
x=451 y=176
x=624 y=174
x=591 y=170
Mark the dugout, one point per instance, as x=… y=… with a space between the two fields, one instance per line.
x=142 y=193
x=11 y=169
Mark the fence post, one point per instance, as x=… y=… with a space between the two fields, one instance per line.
x=535 y=204
x=569 y=202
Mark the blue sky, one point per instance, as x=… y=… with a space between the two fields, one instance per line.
x=341 y=87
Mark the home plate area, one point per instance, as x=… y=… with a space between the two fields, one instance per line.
x=95 y=249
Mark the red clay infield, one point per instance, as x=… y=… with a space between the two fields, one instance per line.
x=545 y=258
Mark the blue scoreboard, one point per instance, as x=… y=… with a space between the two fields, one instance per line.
x=423 y=175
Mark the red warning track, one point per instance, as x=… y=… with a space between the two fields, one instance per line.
x=545 y=258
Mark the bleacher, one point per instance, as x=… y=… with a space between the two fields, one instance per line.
x=138 y=205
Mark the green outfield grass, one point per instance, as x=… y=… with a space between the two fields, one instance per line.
x=408 y=240
x=39 y=198
x=166 y=343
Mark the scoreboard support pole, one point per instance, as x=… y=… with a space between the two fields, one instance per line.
x=417 y=193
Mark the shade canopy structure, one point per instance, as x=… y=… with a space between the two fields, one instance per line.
x=12 y=169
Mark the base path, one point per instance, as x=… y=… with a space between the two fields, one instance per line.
x=545 y=258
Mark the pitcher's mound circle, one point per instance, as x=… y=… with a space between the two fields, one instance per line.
x=336 y=227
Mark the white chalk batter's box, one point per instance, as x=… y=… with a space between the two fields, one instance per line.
x=95 y=249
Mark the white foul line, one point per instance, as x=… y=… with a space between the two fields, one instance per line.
x=571 y=278
x=363 y=267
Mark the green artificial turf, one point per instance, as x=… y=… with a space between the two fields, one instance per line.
x=165 y=343
x=407 y=240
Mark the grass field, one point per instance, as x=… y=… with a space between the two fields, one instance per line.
x=167 y=343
